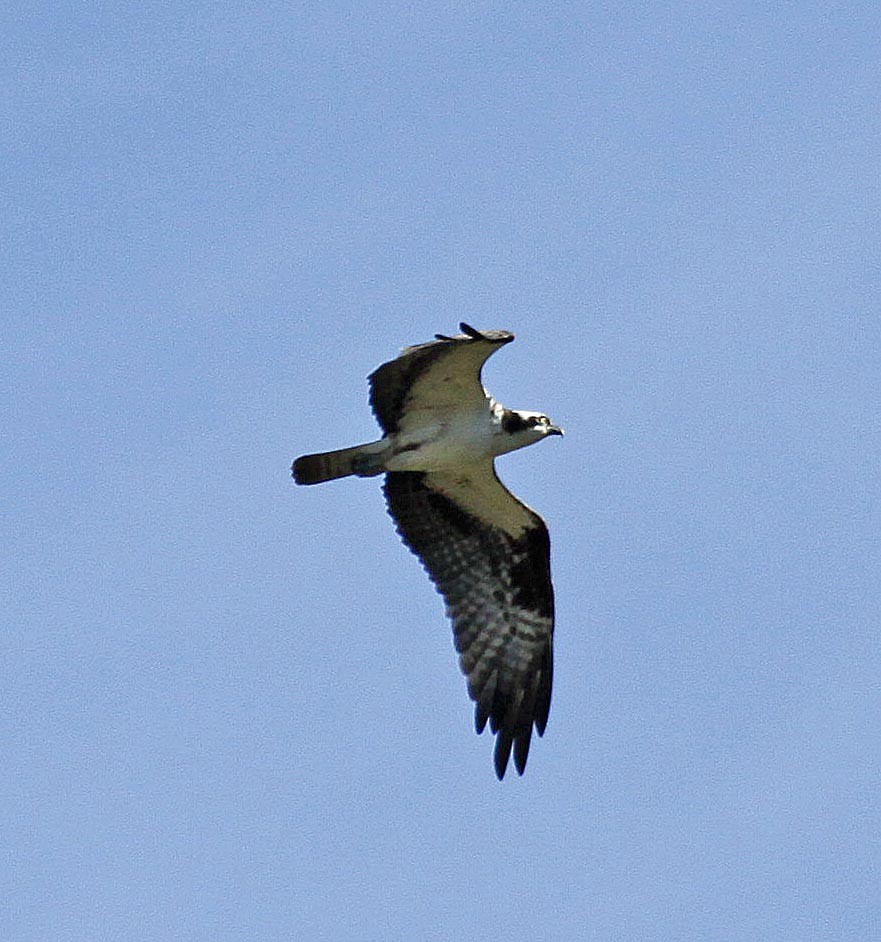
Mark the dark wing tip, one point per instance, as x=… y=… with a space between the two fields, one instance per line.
x=512 y=722
x=472 y=332
x=502 y=753
x=504 y=742
x=543 y=694
x=488 y=336
x=521 y=750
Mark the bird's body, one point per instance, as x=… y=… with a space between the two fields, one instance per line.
x=487 y=553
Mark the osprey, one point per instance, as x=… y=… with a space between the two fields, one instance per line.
x=487 y=553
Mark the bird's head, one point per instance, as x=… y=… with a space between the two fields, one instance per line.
x=524 y=428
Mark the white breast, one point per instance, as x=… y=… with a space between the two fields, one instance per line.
x=459 y=439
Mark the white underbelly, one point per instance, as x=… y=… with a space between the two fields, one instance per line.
x=438 y=447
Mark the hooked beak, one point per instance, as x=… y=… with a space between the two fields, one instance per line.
x=554 y=430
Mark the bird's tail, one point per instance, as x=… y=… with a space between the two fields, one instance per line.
x=330 y=465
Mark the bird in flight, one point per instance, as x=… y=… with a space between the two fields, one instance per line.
x=487 y=553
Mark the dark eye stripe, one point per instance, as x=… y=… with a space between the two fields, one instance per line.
x=511 y=422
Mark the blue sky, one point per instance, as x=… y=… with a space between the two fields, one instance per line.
x=231 y=707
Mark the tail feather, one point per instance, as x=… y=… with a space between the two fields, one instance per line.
x=329 y=465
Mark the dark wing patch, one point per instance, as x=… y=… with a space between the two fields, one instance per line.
x=499 y=596
x=392 y=383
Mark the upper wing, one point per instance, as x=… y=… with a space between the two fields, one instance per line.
x=441 y=375
x=489 y=556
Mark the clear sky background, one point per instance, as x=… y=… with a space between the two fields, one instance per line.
x=230 y=708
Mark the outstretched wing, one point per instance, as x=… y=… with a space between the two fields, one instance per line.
x=442 y=376
x=489 y=556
